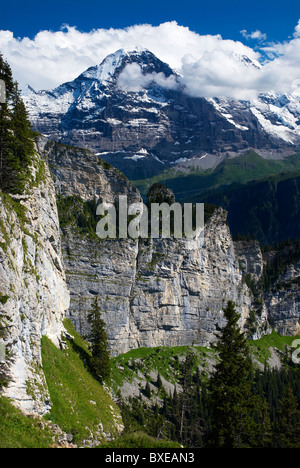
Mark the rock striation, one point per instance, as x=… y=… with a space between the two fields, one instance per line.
x=163 y=292
x=250 y=258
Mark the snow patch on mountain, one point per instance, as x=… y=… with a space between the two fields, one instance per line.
x=223 y=106
x=107 y=68
x=279 y=115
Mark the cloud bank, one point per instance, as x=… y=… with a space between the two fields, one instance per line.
x=209 y=65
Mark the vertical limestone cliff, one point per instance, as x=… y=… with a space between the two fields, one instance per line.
x=156 y=292
x=34 y=296
x=151 y=292
x=277 y=300
x=181 y=286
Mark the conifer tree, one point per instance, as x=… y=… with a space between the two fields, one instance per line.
x=23 y=142
x=147 y=390
x=100 y=360
x=232 y=403
x=159 y=382
x=287 y=431
x=16 y=137
x=5 y=120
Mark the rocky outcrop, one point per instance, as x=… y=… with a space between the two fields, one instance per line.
x=251 y=262
x=278 y=306
x=152 y=292
x=81 y=173
x=181 y=287
x=33 y=292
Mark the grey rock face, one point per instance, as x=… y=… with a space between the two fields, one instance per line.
x=182 y=286
x=33 y=283
x=156 y=292
x=250 y=258
x=279 y=308
x=283 y=302
x=81 y=173
x=152 y=292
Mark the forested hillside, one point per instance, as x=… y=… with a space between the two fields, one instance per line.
x=267 y=210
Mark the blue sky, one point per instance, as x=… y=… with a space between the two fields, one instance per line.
x=276 y=19
x=204 y=41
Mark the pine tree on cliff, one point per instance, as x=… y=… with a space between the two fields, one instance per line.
x=232 y=403
x=16 y=138
x=5 y=119
x=23 y=144
x=100 y=360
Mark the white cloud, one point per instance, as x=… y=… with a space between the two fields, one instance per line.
x=297 y=30
x=209 y=65
x=256 y=35
x=133 y=79
x=52 y=58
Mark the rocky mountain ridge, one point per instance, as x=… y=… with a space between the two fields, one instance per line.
x=133 y=111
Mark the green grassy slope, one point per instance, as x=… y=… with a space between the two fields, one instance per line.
x=143 y=364
x=20 y=431
x=80 y=403
x=261 y=349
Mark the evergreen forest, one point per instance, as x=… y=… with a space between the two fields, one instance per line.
x=238 y=406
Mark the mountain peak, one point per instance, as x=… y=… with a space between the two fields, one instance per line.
x=137 y=50
x=111 y=67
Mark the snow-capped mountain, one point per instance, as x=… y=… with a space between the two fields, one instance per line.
x=133 y=111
